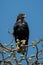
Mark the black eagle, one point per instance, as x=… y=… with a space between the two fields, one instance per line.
x=21 y=33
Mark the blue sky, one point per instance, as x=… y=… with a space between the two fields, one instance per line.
x=9 y=9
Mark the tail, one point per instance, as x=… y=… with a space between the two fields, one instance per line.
x=26 y=50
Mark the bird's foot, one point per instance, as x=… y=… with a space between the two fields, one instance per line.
x=23 y=42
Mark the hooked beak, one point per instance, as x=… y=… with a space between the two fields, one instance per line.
x=24 y=16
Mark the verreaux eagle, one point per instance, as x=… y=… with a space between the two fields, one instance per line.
x=21 y=32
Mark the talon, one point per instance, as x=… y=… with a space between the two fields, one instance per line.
x=23 y=41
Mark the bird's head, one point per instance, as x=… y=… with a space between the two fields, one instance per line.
x=21 y=16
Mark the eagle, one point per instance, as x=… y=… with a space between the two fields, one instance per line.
x=21 y=33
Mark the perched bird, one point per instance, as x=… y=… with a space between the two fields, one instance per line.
x=21 y=33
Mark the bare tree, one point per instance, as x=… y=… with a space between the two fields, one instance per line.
x=11 y=58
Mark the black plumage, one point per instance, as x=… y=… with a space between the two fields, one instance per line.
x=21 y=29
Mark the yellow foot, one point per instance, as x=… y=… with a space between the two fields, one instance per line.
x=23 y=41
